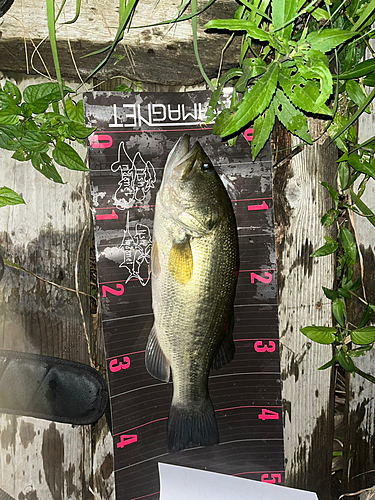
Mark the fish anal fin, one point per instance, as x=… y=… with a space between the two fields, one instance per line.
x=180 y=262
x=156 y=363
x=225 y=352
x=194 y=425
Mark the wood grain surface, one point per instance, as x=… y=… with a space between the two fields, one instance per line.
x=300 y=201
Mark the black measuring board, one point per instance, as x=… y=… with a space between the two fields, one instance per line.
x=135 y=132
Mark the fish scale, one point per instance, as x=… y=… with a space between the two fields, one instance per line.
x=194 y=267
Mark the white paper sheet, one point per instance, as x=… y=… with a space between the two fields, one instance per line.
x=183 y=483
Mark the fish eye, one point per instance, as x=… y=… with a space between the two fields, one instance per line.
x=206 y=167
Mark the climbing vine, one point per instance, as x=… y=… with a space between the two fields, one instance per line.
x=300 y=59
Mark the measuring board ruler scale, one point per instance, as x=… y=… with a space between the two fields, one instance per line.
x=127 y=154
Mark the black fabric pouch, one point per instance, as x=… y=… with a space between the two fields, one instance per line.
x=51 y=388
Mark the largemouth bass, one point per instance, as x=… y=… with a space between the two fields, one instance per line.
x=194 y=265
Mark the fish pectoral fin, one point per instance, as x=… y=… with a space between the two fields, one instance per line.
x=180 y=262
x=155 y=263
x=225 y=352
x=156 y=363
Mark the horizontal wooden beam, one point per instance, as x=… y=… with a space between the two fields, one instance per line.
x=158 y=54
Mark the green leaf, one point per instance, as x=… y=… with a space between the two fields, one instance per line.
x=320 y=14
x=332 y=192
x=337 y=126
x=349 y=245
x=34 y=140
x=329 y=217
x=369 y=80
x=365 y=316
x=239 y=25
x=355 y=93
x=263 y=127
x=283 y=11
x=344 y=293
x=65 y=155
x=255 y=101
x=368 y=12
x=256 y=65
x=360 y=351
x=9 y=135
x=338 y=311
x=363 y=208
x=343 y=171
x=80 y=131
x=43 y=163
x=355 y=116
x=345 y=361
x=21 y=155
x=363 y=335
x=40 y=96
x=9 y=115
x=292 y=119
x=361 y=166
x=302 y=93
x=315 y=66
x=330 y=363
x=13 y=95
x=320 y=334
x=330 y=294
x=221 y=121
x=251 y=68
x=75 y=111
x=356 y=284
x=350 y=56
x=330 y=247
x=123 y=88
x=9 y=197
x=327 y=39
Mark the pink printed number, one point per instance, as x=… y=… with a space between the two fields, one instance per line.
x=248 y=134
x=100 y=141
x=126 y=439
x=263 y=206
x=275 y=478
x=116 y=366
x=110 y=216
x=259 y=347
x=267 y=278
x=268 y=415
x=106 y=289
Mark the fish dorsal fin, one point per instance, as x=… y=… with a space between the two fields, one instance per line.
x=156 y=363
x=180 y=262
x=225 y=352
x=155 y=263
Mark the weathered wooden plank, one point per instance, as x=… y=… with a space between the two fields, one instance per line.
x=359 y=442
x=49 y=236
x=300 y=201
x=148 y=54
x=41 y=460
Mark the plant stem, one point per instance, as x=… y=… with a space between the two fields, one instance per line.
x=50 y=4
x=359 y=298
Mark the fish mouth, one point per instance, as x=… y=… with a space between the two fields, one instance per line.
x=181 y=159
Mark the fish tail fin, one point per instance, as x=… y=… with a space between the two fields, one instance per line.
x=196 y=426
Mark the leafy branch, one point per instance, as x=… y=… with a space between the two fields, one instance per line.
x=32 y=126
x=299 y=59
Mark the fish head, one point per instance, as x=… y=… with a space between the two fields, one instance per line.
x=191 y=191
